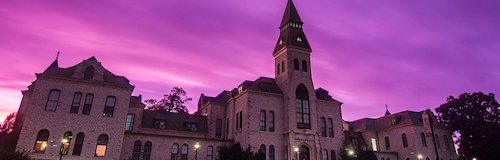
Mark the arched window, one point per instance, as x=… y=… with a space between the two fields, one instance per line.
x=388 y=158
x=66 y=142
x=304 y=65
x=262 y=151
x=109 y=107
x=75 y=105
x=147 y=150
x=278 y=67
x=217 y=153
x=89 y=73
x=87 y=105
x=210 y=153
x=271 y=152
x=77 y=149
x=296 y=64
x=333 y=155
x=102 y=142
x=405 y=141
x=174 y=152
x=282 y=66
x=53 y=100
x=422 y=136
x=408 y=159
x=136 y=152
x=42 y=139
x=184 y=152
x=304 y=152
x=302 y=105
x=324 y=154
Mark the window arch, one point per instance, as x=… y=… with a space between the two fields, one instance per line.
x=102 y=142
x=296 y=64
x=147 y=150
x=304 y=65
x=77 y=149
x=405 y=141
x=89 y=73
x=136 y=152
x=184 y=152
x=333 y=155
x=87 y=105
x=302 y=105
x=262 y=151
x=66 y=142
x=53 y=100
x=42 y=139
x=210 y=153
x=109 y=107
x=408 y=159
x=282 y=66
x=174 y=152
x=324 y=154
x=271 y=152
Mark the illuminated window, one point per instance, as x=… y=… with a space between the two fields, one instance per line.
x=75 y=105
x=102 y=142
x=77 y=149
x=53 y=100
x=174 y=152
x=87 y=105
x=129 y=124
x=302 y=105
x=210 y=153
x=147 y=150
x=109 y=107
x=42 y=139
x=374 y=144
x=184 y=152
x=89 y=73
x=136 y=151
x=66 y=142
x=271 y=121
x=281 y=42
x=299 y=39
x=262 y=123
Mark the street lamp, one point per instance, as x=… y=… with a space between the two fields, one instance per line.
x=419 y=156
x=474 y=158
x=350 y=152
x=297 y=151
x=63 y=141
x=196 y=147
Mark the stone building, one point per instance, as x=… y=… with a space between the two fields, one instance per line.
x=87 y=112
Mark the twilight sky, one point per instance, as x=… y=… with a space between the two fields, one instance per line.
x=410 y=55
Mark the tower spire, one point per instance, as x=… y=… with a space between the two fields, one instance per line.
x=387 y=110
x=291 y=33
x=54 y=64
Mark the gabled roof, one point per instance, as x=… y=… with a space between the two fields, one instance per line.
x=174 y=121
x=386 y=122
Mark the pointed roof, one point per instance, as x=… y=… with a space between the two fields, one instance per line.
x=291 y=14
x=54 y=65
x=387 y=110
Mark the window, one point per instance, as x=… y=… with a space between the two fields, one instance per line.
x=374 y=144
x=278 y=69
x=302 y=102
x=174 y=152
x=75 y=105
x=296 y=64
x=147 y=150
x=109 y=107
x=89 y=73
x=237 y=121
x=87 y=105
x=136 y=152
x=446 y=142
x=405 y=141
x=324 y=154
x=437 y=141
x=382 y=158
x=299 y=39
x=42 y=139
x=77 y=149
x=304 y=65
x=218 y=128
x=271 y=152
x=282 y=66
x=210 y=153
x=262 y=150
x=217 y=153
x=129 y=124
x=387 y=144
x=102 y=142
x=241 y=119
x=160 y=124
x=262 y=123
x=191 y=127
x=184 y=152
x=227 y=126
x=66 y=142
x=323 y=126
x=271 y=121
x=330 y=127
x=333 y=155
x=424 y=142
x=53 y=100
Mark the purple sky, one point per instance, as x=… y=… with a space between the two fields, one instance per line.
x=410 y=55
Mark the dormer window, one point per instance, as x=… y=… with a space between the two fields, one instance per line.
x=160 y=124
x=89 y=73
x=240 y=88
x=191 y=127
x=299 y=39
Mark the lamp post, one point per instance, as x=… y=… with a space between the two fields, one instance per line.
x=64 y=140
x=196 y=147
x=297 y=151
x=419 y=156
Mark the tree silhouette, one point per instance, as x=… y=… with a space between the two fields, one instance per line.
x=172 y=102
x=476 y=119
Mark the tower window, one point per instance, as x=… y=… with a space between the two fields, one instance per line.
x=278 y=69
x=296 y=64
x=89 y=73
x=299 y=39
x=282 y=66
x=304 y=65
x=302 y=104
